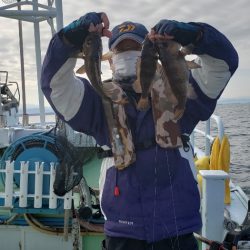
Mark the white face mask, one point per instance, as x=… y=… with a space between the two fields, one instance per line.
x=124 y=66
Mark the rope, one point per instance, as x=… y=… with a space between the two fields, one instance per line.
x=172 y=196
x=86 y=226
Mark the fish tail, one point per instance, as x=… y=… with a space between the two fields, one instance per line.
x=143 y=104
x=122 y=101
x=178 y=113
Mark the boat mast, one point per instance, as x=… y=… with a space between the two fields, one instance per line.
x=38 y=13
x=20 y=30
x=38 y=63
x=59 y=16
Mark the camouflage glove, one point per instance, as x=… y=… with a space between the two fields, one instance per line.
x=76 y=32
x=183 y=33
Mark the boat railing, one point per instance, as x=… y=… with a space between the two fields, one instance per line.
x=207 y=132
x=213 y=181
x=36 y=198
x=34 y=119
x=3 y=77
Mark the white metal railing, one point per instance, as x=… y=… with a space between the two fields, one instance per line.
x=213 y=184
x=8 y=135
x=207 y=132
x=33 y=119
x=38 y=196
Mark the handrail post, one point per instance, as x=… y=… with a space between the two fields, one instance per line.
x=9 y=183
x=23 y=184
x=213 y=192
x=38 y=184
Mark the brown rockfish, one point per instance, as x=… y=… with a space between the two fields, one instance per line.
x=92 y=54
x=92 y=50
x=149 y=58
x=120 y=135
x=174 y=66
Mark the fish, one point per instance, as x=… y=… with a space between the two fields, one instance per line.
x=175 y=68
x=105 y=57
x=149 y=59
x=92 y=67
x=92 y=54
x=120 y=135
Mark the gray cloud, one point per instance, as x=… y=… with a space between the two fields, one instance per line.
x=230 y=17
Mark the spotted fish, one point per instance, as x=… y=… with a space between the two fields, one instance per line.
x=120 y=134
x=167 y=84
x=174 y=66
x=149 y=58
x=92 y=51
x=92 y=67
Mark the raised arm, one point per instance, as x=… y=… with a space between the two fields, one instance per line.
x=73 y=98
x=218 y=60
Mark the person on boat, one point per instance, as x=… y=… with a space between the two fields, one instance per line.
x=154 y=203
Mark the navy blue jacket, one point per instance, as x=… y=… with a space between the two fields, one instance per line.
x=158 y=196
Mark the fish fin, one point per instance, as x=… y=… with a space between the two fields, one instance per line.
x=187 y=50
x=81 y=70
x=158 y=66
x=142 y=104
x=78 y=55
x=178 y=113
x=81 y=56
x=193 y=65
x=123 y=101
x=107 y=56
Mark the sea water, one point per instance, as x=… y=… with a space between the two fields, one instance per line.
x=236 y=121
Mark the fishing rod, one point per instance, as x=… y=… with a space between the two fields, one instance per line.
x=214 y=245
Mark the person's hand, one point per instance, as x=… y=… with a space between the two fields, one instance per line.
x=183 y=33
x=76 y=32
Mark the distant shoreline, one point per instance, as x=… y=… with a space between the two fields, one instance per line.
x=34 y=109
x=233 y=100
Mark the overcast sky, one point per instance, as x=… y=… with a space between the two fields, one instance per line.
x=231 y=17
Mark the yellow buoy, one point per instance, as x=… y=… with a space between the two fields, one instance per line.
x=202 y=163
x=224 y=163
x=215 y=154
x=220 y=160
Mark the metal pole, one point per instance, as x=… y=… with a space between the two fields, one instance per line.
x=207 y=140
x=59 y=15
x=1 y=108
x=20 y=30
x=39 y=65
x=25 y=13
